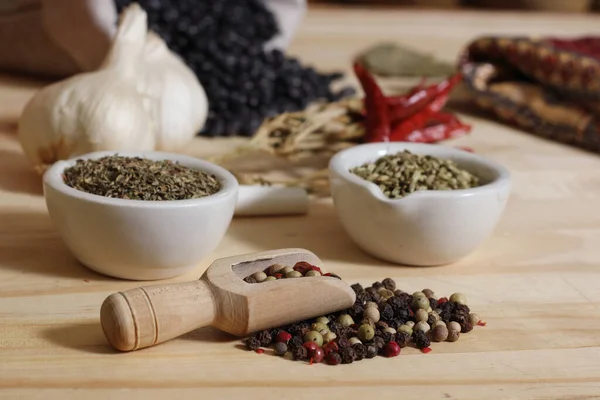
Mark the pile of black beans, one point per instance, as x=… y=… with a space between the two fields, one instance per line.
x=223 y=42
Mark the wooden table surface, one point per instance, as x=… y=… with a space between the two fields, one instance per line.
x=536 y=281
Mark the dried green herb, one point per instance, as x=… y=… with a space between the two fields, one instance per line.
x=137 y=178
x=400 y=174
x=393 y=59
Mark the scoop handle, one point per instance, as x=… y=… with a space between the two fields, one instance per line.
x=146 y=316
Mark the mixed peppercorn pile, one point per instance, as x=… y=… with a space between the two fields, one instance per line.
x=382 y=321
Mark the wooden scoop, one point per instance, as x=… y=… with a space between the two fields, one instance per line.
x=149 y=315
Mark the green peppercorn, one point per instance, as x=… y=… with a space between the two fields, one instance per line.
x=371 y=304
x=312 y=272
x=421 y=315
x=323 y=320
x=285 y=270
x=354 y=340
x=428 y=293
x=372 y=313
x=419 y=294
x=422 y=326
x=474 y=319
x=386 y=294
x=405 y=329
x=458 y=298
x=329 y=337
x=391 y=330
x=270 y=278
x=319 y=327
x=314 y=336
x=366 y=332
x=411 y=324
x=440 y=333
x=260 y=276
x=345 y=320
x=420 y=302
x=293 y=274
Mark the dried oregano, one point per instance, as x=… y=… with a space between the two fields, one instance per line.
x=400 y=174
x=137 y=178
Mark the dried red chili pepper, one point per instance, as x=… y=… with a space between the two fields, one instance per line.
x=431 y=99
x=377 y=114
x=445 y=126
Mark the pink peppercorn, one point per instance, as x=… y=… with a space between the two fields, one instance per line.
x=330 y=347
x=442 y=301
x=283 y=336
x=317 y=356
x=303 y=267
x=391 y=349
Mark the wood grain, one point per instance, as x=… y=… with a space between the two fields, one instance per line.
x=535 y=281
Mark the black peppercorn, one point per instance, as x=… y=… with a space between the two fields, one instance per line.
x=335 y=276
x=343 y=342
x=379 y=342
x=381 y=325
x=250 y=279
x=421 y=340
x=377 y=285
x=388 y=337
x=265 y=338
x=403 y=339
x=360 y=351
x=347 y=354
x=357 y=287
x=387 y=313
x=299 y=329
x=372 y=351
x=466 y=327
x=299 y=353
x=431 y=320
x=336 y=328
x=432 y=303
x=296 y=341
x=371 y=290
x=252 y=343
x=389 y=284
x=356 y=312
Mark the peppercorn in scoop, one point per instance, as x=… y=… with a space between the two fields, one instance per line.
x=382 y=321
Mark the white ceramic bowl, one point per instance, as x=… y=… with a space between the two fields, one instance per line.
x=136 y=239
x=425 y=228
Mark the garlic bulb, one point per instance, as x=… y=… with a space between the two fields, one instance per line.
x=143 y=97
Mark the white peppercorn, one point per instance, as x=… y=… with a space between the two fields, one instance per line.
x=372 y=313
x=323 y=320
x=474 y=319
x=410 y=324
x=312 y=272
x=422 y=326
x=440 y=333
x=354 y=340
x=270 y=278
x=421 y=315
x=453 y=336
x=260 y=276
x=453 y=326
x=391 y=330
x=371 y=304
x=285 y=270
x=428 y=293
x=329 y=336
x=275 y=268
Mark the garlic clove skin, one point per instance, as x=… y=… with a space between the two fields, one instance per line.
x=181 y=104
x=85 y=113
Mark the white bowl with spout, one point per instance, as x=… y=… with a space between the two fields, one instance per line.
x=424 y=228
x=137 y=239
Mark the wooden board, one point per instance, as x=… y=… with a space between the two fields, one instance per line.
x=536 y=281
